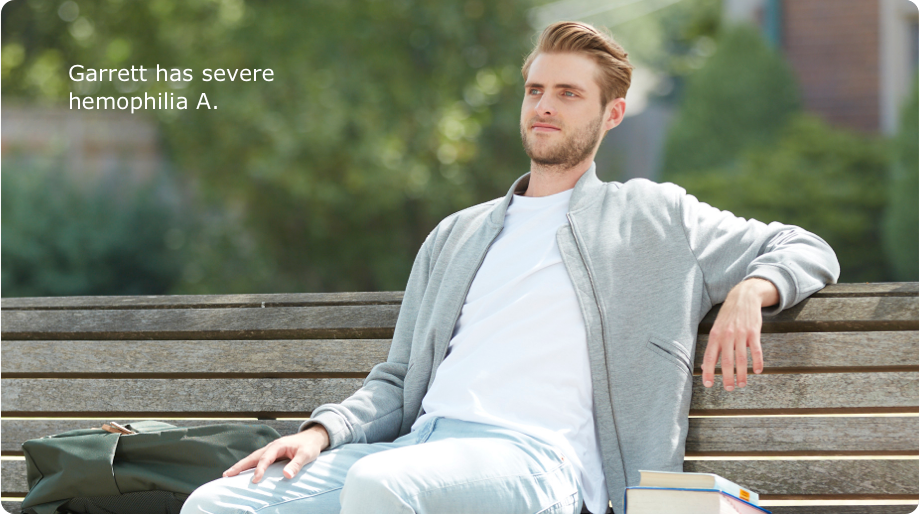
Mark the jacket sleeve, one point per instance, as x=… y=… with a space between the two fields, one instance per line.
x=730 y=249
x=375 y=412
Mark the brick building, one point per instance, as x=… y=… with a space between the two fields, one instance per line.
x=855 y=59
x=90 y=145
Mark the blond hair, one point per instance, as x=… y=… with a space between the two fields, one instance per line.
x=614 y=70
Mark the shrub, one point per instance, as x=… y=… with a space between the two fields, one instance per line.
x=901 y=219
x=828 y=181
x=741 y=97
x=59 y=238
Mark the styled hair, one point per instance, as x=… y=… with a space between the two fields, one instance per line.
x=614 y=70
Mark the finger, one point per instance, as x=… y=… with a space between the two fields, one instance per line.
x=741 y=360
x=710 y=358
x=246 y=463
x=300 y=458
x=757 y=352
x=270 y=456
x=728 y=363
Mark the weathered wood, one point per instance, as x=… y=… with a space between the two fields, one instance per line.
x=300 y=358
x=771 y=478
x=13 y=478
x=373 y=321
x=775 y=479
x=17 y=431
x=802 y=350
x=799 y=392
x=351 y=322
x=794 y=392
x=843 y=509
x=134 y=397
x=202 y=301
x=13 y=508
x=275 y=358
x=824 y=314
x=707 y=436
x=803 y=435
x=343 y=298
x=280 y=358
x=870 y=289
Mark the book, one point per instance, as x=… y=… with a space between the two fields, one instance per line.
x=666 y=500
x=697 y=481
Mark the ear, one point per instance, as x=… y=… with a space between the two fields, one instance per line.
x=614 y=113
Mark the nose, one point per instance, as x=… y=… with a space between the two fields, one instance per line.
x=546 y=106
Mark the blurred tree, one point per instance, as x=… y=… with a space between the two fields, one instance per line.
x=901 y=218
x=63 y=239
x=382 y=117
x=674 y=41
x=741 y=97
x=828 y=181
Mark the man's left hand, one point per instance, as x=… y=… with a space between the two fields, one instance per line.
x=736 y=329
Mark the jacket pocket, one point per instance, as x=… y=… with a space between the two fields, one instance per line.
x=672 y=351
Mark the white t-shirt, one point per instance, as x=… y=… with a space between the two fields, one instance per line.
x=518 y=357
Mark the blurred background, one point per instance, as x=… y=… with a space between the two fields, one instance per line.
x=386 y=116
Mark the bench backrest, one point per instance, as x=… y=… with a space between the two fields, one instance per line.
x=834 y=416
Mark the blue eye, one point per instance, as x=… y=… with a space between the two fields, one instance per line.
x=534 y=92
x=569 y=93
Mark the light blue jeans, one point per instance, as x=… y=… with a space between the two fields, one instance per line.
x=446 y=466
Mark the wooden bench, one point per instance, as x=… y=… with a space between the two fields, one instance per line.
x=834 y=416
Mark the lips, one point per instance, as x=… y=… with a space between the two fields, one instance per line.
x=544 y=127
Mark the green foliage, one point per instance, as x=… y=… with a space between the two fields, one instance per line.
x=61 y=239
x=675 y=41
x=825 y=180
x=740 y=98
x=901 y=218
x=383 y=117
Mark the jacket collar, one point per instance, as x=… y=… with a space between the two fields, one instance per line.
x=586 y=190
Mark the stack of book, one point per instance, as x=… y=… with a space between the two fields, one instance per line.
x=661 y=492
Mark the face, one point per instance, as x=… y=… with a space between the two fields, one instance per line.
x=562 y=120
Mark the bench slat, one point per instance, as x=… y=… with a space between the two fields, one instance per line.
x=377 y=321
x=803 y=435
x=707 y=436
x=268 y=357
x=16 y=431
x=826 y=314
x=352 y=322
x=801 y=392
x=344 y=298
x=800 y=350
x=795 y=393
x=138 y=397
x=871 y=289
x=13 y=478
x=297 y=357
x=801 y=478
x=844 y=509
x=203 y=301
x=13 y=508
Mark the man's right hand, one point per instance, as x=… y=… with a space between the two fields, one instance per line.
x=301 y=448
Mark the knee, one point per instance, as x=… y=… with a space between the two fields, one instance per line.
x=369 y=485
x=210 y=499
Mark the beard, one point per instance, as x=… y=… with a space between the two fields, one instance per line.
x=565 y=153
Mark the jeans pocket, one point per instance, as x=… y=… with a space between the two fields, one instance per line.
x=568 y=505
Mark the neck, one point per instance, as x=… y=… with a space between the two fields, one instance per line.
x=548 y=180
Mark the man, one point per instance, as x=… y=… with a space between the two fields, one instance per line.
x=544 y=348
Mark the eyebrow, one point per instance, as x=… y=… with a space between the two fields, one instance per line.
x=558 y=86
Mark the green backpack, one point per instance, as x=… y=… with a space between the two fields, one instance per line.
x=152 y=470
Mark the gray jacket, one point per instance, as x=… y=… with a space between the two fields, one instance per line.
x=647 y=260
